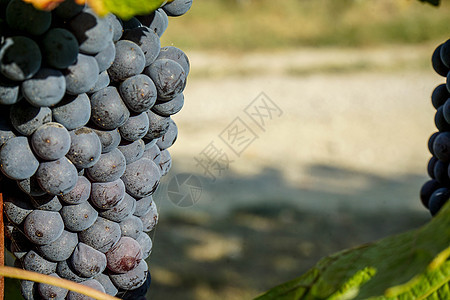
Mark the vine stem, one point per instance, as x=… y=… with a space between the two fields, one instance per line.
x=64 y=283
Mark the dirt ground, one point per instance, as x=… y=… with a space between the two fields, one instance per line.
x=338 y=162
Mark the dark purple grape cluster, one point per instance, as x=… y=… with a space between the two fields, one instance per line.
x=436 y=191
x=85 y=126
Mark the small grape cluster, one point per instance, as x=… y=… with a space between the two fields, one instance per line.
x=436 y=191
x=85 y=124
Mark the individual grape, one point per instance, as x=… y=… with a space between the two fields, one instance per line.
x=430 y=166
x=26 y=118
x=147 y=40
x=51 y=141
x=135 y=128
x=17 y=161
x=150 y=219
x=131 y=227
x=6 y=130
x=427 y=189
x=32 y=261
x=73 y=112
x=439 y=96
x=90 y=283
x=169 y=138
x=156 y=21
x=105 y=195
x=82 y=75
x=169 y=78
x=101 y=83
x=153 y=153
x=121 y=210
x=441 y=146
x=23 y=16
x=17 y=208
x=130 y=24
x=85 y=148
x=141 y=178
x=177 y=55
x=109 y=139
x=149 y=143
x=109 y=167
x=146 y=244
x=57 y=177
x=59 y=48
x=87 y=261
x=445 y=53
x=92 y=32
x=132 y=279
x=9 y=91
x=46 y=202
x=137 y=294
x=132 y=151
x=108 y=111
x=143 y=206
x=166 y=162
x=43 y=227
x=79 y=194
x=78 y=217
x=439 y=120
x=30 y=186
x=129 y=61
x=177 y=7
x=68 y=9
x=105 y=58
x=107 y=284
x=158 y=125
x=102 y=235
x=51 y=292
x=138 y=92
x=117 y=27
x=440 y=171
x=168 y=108
x=124 y=256
x=61 y=249
x=431 y=141
x=438 y=199
x=65 y=270
x=437 y=63
x=28 y=289
x=46 y=88
x=20 y=57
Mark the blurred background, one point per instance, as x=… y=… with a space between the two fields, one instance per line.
x=304 y=132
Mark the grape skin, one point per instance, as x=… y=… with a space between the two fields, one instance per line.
x=132 y=151
x=85 y=148
x=87 y=261
x=124 y=256
x=121 y=210
x=60 y=249
x=43 y=227
x=51 y=141
x=131 y=227
x=109 y=167
x=59 y=48
x=79 y=194
x=26 y=118
x=106 y=195
x=51 y=292
x=82 y=75
x=17 y=161
x=78 y=217
x=57 y=177
x=73 y=112
x=102 y=235
x=141 y=178
x=108 y=111
x=129 y=61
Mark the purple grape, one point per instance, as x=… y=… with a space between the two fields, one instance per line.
x=46 y=202
x=61 y=248
x=87 y=261
x=106 y=195
x=437 y=63
x=150 y=219
x=121 y=210
x=107 y=284
x=36 y=263
x=59 y=48
x=131 y=227
x=109 y=139
x=52 y=292
x=82 y=75
x=108 y=111
x=78 y=217
x=51 y=141
x=132 y=279
x=17 y=161
x=28 y=289
x=438 y=200
x=65 y=270
x=111 y=166
x=135 y=128
x=143 y=206
x=46 y=88
x=441 y=146
x=101 y=83
x=439 y=96
x=138 y=92
x=26 y=118
x=30 y=186
x=169 y=138
x=106 y=57
x=17 y=207
x=129 y=61
x=158 y=125
x=132 y=151
x=9 y=91
x=79 y=194
x=168 y=108
x=85 y=148
x=116 y=26
x=177 y=55
x=24 y=17
x=169 y=78
x=90 y=283
x=165 y=163
x=124 y=256
x=177 y=7
x=43 y=227
x=67 y=9
x=102 y=235
x=57 y=177
x=141 y=178
x=146 y=244
x=147 y=39
x=153 y=153
x=73 y=111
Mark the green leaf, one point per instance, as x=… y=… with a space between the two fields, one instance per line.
x=412 y=265
x=129 y=8
x=432 y=2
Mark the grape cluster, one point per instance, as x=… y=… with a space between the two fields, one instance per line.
x=85 y=126
x=436 y=191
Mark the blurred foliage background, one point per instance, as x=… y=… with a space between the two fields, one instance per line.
x=245 y=25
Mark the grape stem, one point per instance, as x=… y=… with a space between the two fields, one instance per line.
x=63 y=283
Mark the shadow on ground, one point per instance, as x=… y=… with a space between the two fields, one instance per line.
x=248 y=234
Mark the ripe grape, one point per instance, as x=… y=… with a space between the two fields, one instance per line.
x=73 y=112
x=78 y=217
x=43 y=227
x=51 y=141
